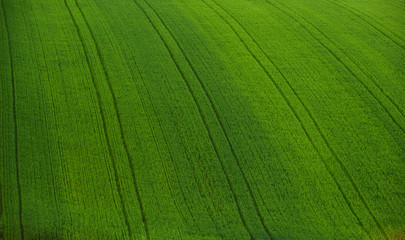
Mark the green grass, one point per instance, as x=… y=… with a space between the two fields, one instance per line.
x=208 y=119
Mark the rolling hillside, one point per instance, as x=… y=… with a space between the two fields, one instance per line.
x=202 y=119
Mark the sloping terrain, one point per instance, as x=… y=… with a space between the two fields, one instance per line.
x=206 y=119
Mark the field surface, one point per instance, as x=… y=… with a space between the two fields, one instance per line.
x=202 y=119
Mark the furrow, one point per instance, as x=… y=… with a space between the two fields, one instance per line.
x=375 y=25
x=290 y=105
x=103 y=119
x=204 y=121
x=345 y=64
x=347 y=173
x=15 y=122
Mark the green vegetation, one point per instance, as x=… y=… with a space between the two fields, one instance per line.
x=206 y=119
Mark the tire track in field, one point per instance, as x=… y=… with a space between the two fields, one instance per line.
x=343 y=62
x=46 y=120
x=167 y=146
x=15 y=122
x=291 y=107
x=100 y=133
x=151 y=130
x=376 y=25
x=130 y=159
x=43 y=67
x=366 y=73
x=192 y=92
x=347 y=173
x=238 y=205
x=182 y=189
x=110 y=152
x=99 y=129
x=184 y=79
x=164 y=138
x=338 y=160
x=159 y=151
x=170 y=154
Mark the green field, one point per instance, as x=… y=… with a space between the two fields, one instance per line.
x=202 y=119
